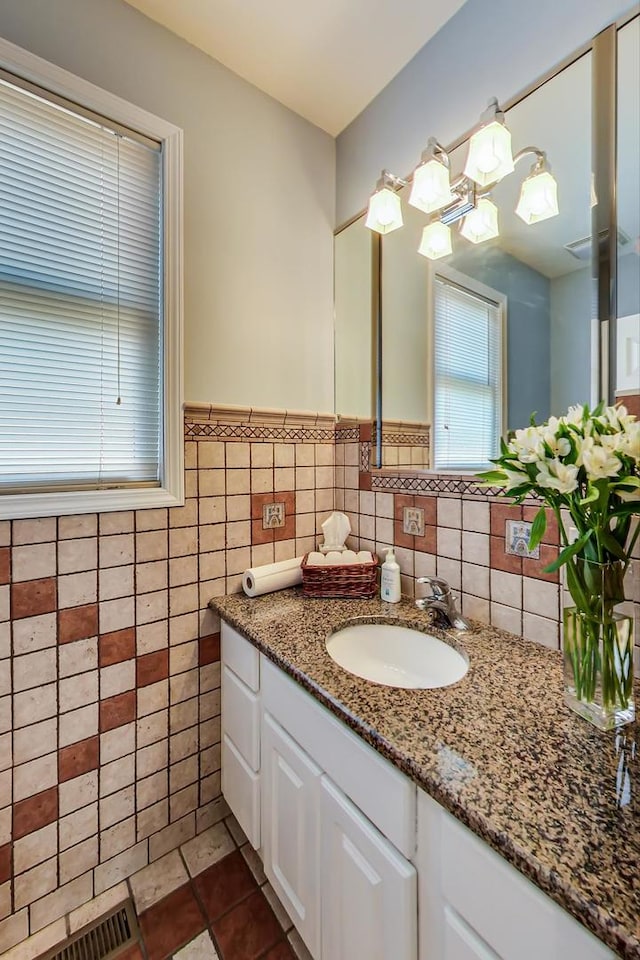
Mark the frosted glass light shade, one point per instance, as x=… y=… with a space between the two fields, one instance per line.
x=481 y=223
x=436 y=241
x=538 y=198
x=490 y=157
x=431 y=189
x=385 y=211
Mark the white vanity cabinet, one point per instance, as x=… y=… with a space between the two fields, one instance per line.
x=368 y=866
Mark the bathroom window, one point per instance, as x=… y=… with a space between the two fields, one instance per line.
x=89 y=305
x=468 y=364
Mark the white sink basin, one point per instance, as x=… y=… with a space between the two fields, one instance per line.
x=396 y=656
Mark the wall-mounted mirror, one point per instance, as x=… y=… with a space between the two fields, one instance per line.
x=531 y=345
x=475 y=342
x=628 y=201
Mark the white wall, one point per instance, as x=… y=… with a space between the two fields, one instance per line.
x=259 y=201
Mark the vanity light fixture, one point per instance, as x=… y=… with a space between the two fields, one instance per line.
x=385 y=209
x=465 y=197
x=436 y=241
x=490 y=157
x=481 y=223
x=431 y=188
x=538 y=194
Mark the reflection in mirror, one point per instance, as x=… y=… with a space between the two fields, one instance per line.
x=353 y=321
x=540 y=275
x=628 y=267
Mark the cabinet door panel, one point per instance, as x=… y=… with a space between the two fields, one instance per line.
x=241 y=717
x=241 y=789
x=461 y=943
x=290 y=829
x=369 y=909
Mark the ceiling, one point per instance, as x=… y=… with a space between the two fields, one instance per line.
x=325 y=61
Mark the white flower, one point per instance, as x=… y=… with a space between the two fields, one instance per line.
x=630 y=441
x=527 y=445
x=575 y=415
x=555 y=475
x=559 y=446
x=617 y=417
x=597 y=460
x=514 y=479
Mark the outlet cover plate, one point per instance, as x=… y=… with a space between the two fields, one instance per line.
x=517 y=537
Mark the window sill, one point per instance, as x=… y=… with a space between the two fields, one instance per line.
x=28 y=505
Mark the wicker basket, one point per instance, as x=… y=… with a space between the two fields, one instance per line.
x=349 y=580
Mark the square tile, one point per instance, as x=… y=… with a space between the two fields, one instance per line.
x=247 y=931
x=171 y=923
x=207 y=848
x=224 y=884
x=158 y=880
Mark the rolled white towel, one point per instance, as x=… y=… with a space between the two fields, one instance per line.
x=315 y=559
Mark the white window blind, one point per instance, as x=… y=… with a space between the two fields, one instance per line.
x=467 y=420
x=80 y=300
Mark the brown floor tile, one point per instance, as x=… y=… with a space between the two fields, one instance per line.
x=134 y=952
x=247 y=931
x=222 y=885
x=170 y=923
x=281 y=951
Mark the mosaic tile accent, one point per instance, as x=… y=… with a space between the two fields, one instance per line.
x=240 y=431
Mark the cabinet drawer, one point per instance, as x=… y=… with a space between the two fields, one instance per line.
x=384 y=795
x=240 y=656
x=241 y=717
x=513 y=916
x=241 y=789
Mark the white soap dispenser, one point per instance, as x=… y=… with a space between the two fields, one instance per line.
x=390 y=578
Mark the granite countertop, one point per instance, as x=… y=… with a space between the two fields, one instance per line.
x=557 y=798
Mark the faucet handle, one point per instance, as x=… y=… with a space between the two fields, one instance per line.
x=439 y=586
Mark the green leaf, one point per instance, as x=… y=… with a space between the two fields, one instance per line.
x=610 y=543
x=569 y=552
x=538 y=528
x=591 y=496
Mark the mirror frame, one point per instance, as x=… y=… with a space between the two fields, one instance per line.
x=604 y=49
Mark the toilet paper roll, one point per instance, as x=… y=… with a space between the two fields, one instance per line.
x=272 y=576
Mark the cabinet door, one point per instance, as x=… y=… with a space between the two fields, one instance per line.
x=241 y=790
x=290 y=829
x=369 y=908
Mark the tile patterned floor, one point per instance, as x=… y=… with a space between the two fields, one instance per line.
x=210 y=900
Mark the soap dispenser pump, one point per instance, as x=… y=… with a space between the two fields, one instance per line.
x=390 y=578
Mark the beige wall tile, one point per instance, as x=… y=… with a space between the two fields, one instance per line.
x=77 y=793
x=36 y=945
x=239 y=534
x=117 y=743
x=35 y=847
x=153 y=545
x=183 y=599
x=172 y=836
x=75 y=556
x=36 y=740
x=183 y=570
x=57 y=904
x=34 y=669
x=475 y=548
x=116 y=522
x=183 y=628
x=76 y=589
x=33 y=562
x=449 y=512
x=540 y=630
x=116 y=551
x=77 y=657
x=153 y=698
x=183 y=773
x=34 y=531
x=117 y=806
x=120 y=837
x=34 y=776
x=35 y=883
x=153 y=758
x=113 y=871
x=506 y=618
x=184 y=686
x=211 y=454
x=152 y=728
x=81 y=525
x=151 y=636
x=152 y=576
x=183 y=744
x=153 y=818
x=117 y=775
x=79 y=859
x=183 y=715
x=151 y=607
x=79 y=825
x=238 y=481
x=116 y=614
x=4 y=603
x=183 y=541
x=183 y=802
x=78 y=691
x=152 y=790
x=151 y=520
x=212 y=537
x=115 y=582
x=475 y=516
x=211 y=483
x=78 y=724
x=261 y=554
x=186 y=516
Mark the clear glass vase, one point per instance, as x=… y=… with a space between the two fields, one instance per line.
x=598 y=646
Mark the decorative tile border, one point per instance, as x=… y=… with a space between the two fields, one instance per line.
x=205 y=421
x=346 y=434
x=451 y=486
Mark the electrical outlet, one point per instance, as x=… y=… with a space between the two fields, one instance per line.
x=517 y=538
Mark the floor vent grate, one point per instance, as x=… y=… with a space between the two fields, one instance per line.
x=102 y=939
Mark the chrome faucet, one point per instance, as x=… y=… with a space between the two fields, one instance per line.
x=442 y=602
